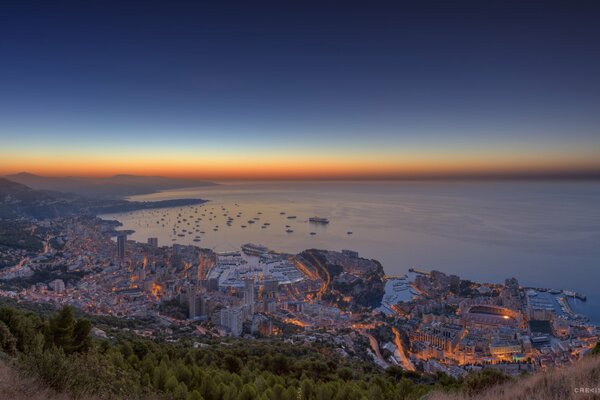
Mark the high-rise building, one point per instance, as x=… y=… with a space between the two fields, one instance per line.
x=269 y=295
x=270 y=287
x=249 y=295
x=121 y=239
x=153 y=241
x=232 y=318
x=196 y=303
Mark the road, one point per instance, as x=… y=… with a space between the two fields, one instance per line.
x=406 y=363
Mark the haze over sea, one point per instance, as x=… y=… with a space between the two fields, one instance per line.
x=546 y=234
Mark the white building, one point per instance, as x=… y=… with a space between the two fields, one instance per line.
x=232 y=318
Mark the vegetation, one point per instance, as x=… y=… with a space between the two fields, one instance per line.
x=564 y=384
x=55 y=354
x=59 y=351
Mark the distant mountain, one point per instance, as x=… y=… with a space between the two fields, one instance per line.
x=20 y=201
x=117 y=186
x=17 y=200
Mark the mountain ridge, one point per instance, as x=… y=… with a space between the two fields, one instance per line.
x=113 y=187
x=20 y=201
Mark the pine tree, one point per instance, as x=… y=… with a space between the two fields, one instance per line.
x=62 y=328
x=81 y=336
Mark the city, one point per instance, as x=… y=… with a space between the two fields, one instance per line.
x=287 y=200
x=424 y=319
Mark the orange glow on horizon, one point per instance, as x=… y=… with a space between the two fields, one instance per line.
x=301 y=166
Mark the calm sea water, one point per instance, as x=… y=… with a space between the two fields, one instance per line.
x=546 y=234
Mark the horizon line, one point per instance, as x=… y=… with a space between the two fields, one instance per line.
x=486 y=176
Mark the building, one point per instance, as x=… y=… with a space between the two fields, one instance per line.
x=153 y=241
x=350 y=253
x=121 y=240
x=444 y=336
x=501 y=348
x=249 y=295
x=196 y=303
x=232 y=318
x=57 y=285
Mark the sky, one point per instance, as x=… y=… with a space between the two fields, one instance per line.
x=305 y=89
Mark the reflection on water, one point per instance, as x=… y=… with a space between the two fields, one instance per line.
x=545 y=234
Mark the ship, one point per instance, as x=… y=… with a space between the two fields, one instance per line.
x=318 y=220
x=254 y=249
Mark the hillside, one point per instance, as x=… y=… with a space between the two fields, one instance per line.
x=559 y=384
x=555 y=384
x=16 y=386
x=117 y=186
x=20 y=201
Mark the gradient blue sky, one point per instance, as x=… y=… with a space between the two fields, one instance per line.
x=481 y=84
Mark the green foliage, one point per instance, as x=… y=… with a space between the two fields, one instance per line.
x=8 y=343
x=484 y=379
x=69 y=334
x=59 y=351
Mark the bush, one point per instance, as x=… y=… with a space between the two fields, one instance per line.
x=484 y=379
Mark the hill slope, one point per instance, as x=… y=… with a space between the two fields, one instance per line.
x=559 y=384
x=113 y=187
x=17 y=387
x=18 y=201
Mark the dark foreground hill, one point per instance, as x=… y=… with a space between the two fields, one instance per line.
x=51 y=355
x=569 y=383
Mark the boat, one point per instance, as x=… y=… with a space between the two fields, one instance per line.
x=318 y=220
x=254 y=249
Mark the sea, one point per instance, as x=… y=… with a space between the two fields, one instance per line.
x=544 y=233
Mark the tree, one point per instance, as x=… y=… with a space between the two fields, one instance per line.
x=180 y=392
x=8 y=343
x=82 y=340
x=62 y=328
x=488 y=377
x=248 y=392
x=194 y=395
x=232 y=364
x=171 y=384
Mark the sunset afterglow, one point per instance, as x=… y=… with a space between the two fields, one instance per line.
x=198 y=91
